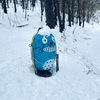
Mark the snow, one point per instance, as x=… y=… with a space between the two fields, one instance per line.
x=79 y=54
x=45 y=30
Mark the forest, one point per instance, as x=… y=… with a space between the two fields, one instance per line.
x=75 y=24
x=58 y=11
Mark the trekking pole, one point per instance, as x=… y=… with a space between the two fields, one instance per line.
x=57 y=62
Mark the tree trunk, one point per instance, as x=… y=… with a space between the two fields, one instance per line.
x=23 y=6
x=83 y=13
x=33 y=3
x=88 y=11
x=42 y=8
x=69 y=12
x=50 y=17
x=58 y=14
x=73 y=4
x=79 y=12
x=4 y=7
x=63 y=19
x=15 y=6
x=55 y=10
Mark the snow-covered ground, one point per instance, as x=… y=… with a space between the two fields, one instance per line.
x=79 y=54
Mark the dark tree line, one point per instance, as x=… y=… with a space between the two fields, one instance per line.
x=59 y=11
x=78 y=11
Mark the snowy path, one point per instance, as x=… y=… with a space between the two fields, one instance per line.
x=18 y=81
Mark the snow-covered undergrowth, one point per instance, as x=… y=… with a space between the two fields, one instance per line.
x=79 y=54
x=96 y=17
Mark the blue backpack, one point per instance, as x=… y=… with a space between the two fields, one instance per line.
x=43 y=51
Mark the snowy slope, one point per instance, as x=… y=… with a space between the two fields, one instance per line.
x=79 y=53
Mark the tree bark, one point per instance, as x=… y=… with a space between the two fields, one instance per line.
x=15 y=9
x=4 y=7
x=42 y=9
x=50 y=17
x=58 y=14
x=83 y=13
x=79 y=12
x=55 y=10
x=63 y=19
x=69 y=12
x=88 y=11
x=73 y=4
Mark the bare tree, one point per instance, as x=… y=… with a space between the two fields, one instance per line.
x=15 y=9
x=69 y=11
x=4 y=6
x=50 y=15
x=88 y=11
x=73 y=11
x=42 y=8
x=79 y=11
x=83 y=11
x=63 y=18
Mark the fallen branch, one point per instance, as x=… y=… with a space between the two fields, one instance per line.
x=22 y=25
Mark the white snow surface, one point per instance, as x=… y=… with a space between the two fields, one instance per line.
x=78 y=77
x=45 y=30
